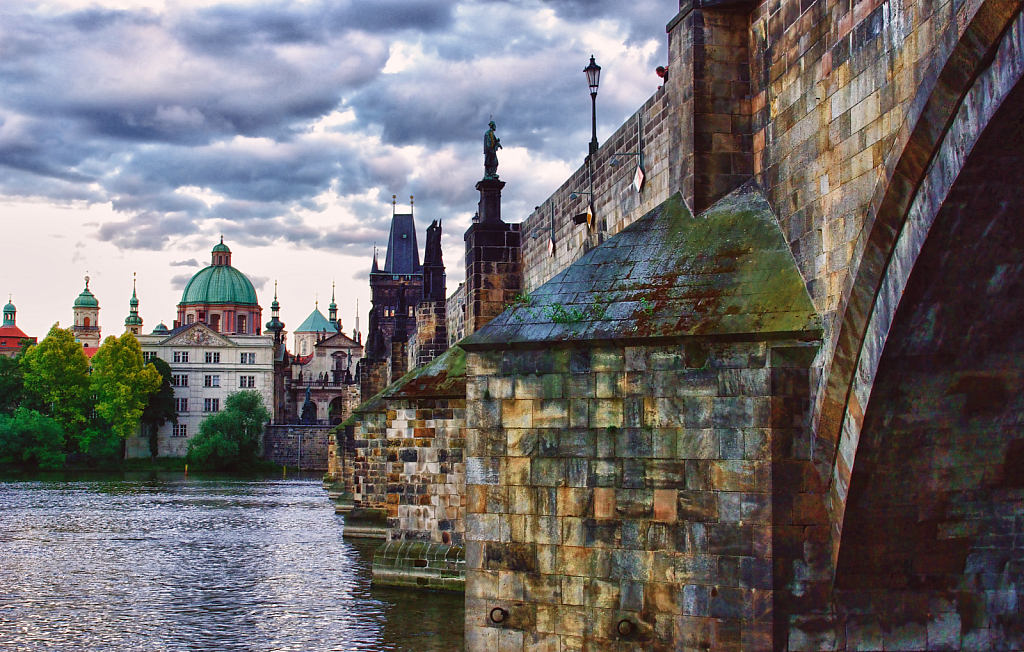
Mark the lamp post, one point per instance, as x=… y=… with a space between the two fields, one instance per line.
x=593 y=79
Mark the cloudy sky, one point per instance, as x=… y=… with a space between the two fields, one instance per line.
x=134 y=132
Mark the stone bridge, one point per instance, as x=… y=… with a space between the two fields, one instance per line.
x=772 y=400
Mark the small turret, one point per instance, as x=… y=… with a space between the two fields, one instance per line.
x=9 y=312
x=133 y=322
x=275 y=325
x=332 y=311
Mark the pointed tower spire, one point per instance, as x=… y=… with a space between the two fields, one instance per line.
x=133 y=323
x=355 y=331
x=375 y=268
x=275 y=325
x=332 y=310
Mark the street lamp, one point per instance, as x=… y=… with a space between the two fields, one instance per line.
x=593 y=79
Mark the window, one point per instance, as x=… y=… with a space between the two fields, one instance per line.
x=212 y=358
x=190 y=319
x=248 y=358
x=181 y=405
x=211 y=381
x=247 y=382
x=180 y=430
x=215 y=322
x=85 y=322
x=179 y=380
x=148 y=356
x=410 y=311
x=211 y=405
x=180 y=356
x=241 y=325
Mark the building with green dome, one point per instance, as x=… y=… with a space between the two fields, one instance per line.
x=87 y=320
x=11 y=336
x=221 y=297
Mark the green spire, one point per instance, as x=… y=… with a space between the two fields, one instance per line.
x=133 y=318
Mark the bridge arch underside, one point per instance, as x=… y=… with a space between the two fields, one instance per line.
x=931 y=555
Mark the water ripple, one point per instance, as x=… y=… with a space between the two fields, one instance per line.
x=167 y=563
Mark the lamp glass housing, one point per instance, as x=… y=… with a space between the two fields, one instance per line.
x=593 y=75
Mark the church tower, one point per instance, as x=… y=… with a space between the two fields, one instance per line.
x=87 y=318
x=133 y=323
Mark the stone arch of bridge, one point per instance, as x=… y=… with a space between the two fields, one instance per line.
x=957 y=99
x=930 y=556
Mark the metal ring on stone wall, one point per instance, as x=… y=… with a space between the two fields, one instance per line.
x=498 y=615
x=626 y=628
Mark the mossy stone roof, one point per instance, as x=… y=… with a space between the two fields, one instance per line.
x=728 y=272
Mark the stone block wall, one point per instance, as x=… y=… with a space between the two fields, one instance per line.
x=624 y=495
x=493 y=271
x=425 y=470
x=367 y=483
x=282 y=444
x=431 y=336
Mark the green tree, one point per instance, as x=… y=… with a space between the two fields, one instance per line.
x=122 y=383
x=160 y=408
x=57 y=379
x=230 y=440
x=29 y=439
x=12 y=384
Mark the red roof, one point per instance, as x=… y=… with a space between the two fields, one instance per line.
x=11 y=336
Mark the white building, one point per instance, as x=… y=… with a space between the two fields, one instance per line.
x=216 y=348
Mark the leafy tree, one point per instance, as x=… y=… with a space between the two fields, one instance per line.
x=29 y=439
x=160 y=408
x=122 y=383
x=57 y=378
x=230 y=440
x=12 y=384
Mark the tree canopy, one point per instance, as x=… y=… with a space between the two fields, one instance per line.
x=30 y=439
x=160 y=407
x=230 y=440
x=122 y=383
x=12 y=384
x=57 y=378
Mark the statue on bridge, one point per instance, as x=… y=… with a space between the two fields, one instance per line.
x=308 y=409
x=491 y=146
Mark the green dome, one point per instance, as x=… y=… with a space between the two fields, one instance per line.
x=221 y=248
x=86 y=299
x=161 y=329
x=219 y=284
x=9 y=307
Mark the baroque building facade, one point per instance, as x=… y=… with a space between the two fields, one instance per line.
x=215 y=348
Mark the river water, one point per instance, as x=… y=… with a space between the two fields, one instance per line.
x=163 y=562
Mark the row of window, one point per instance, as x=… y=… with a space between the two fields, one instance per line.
x=209 y=405
x=212 y=380
x=211 y=357
x=390 y=312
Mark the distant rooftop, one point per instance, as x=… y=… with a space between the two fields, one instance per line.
x=403 y=255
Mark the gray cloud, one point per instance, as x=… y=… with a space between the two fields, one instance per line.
x=178 y=281
x=191 y=262
x=189 y=120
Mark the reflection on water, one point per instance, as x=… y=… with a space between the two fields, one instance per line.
x=162 y=562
